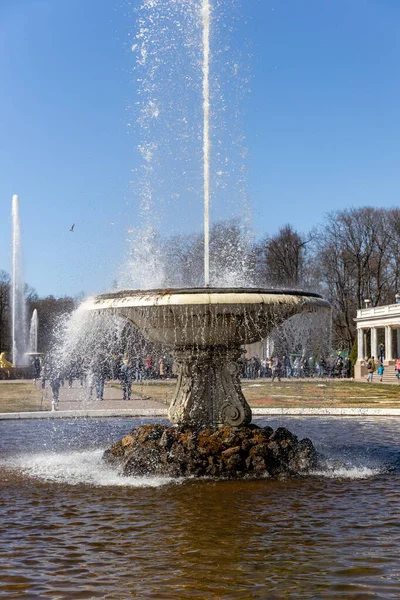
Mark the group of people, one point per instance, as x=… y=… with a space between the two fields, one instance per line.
x=371 y=368
x=92 y=373
x=287 y=366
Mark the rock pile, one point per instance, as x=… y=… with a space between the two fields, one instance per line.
x=227 y=452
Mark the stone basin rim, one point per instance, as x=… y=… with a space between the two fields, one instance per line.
x=212 y=297
x=206 y=291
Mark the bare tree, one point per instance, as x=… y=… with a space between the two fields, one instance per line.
x=354 y=255
x=231 y=257
x=5 y=313
x=281 y=259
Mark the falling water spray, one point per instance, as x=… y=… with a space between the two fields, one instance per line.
x=18 y=307
x=206 y=135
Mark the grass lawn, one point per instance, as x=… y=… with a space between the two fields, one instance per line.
x=293 y=393
x=329 y=393
x=21 y=397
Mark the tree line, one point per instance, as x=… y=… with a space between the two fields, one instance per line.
x=49 y=309
x=352 y=256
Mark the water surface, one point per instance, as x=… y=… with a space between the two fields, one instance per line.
x=73 y=528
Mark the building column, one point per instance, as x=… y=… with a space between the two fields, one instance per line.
x=398 y=343
x=388 y=343
x=360 y=344
x=374 y=343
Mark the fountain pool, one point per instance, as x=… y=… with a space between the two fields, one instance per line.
x=71 y=528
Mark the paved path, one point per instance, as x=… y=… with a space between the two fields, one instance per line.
x=79 y=398
x=162 y=412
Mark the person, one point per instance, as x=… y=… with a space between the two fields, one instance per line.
x=99 y=373
x=138 y=368
x=148 y=363
x=296 y=367
x=287 y=367
x=324 y=367
x=371 y=368
x=381 y=368
x=169 y=361
x=257 y=367
x=36 y=368
x=347 y=367
x=397 y=368
x=276 y=368
x=126 y=379
x=45 y=371
x=161 y=367
x=381 y=352
x=339 y=366
x=55 y=383
x=264 y=367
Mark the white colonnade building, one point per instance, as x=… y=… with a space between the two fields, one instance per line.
x=377 y=325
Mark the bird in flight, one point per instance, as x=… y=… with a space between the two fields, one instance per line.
x=72 y=227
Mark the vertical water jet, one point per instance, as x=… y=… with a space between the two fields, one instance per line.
x=206 y=135
x=18 y=305
x=33 y=332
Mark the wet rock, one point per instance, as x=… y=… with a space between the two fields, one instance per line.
x=227 y=452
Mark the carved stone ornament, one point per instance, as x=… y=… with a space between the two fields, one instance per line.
x=208 y=390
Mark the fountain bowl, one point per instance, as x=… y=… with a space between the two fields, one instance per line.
x=206 y=316
x=207 y=328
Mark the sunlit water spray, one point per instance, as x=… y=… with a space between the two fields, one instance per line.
x=87 y=467
x=76 y=468
x=187 y=128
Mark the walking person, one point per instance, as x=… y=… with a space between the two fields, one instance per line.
x=276 y=368
x=381 y=368
x=55 y=383
x=99 y=373
x=126 y=376
x=371 y=368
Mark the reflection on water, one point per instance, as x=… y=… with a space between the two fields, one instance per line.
x=71 y=528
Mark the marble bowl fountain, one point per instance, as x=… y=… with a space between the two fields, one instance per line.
x=206 y=328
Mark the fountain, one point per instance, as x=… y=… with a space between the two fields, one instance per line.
x=18 y=305
x=207 y=327
x=33 y=333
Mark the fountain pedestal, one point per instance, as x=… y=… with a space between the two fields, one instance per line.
x=208 y=390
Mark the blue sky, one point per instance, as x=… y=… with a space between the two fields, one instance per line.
x=321 y=123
